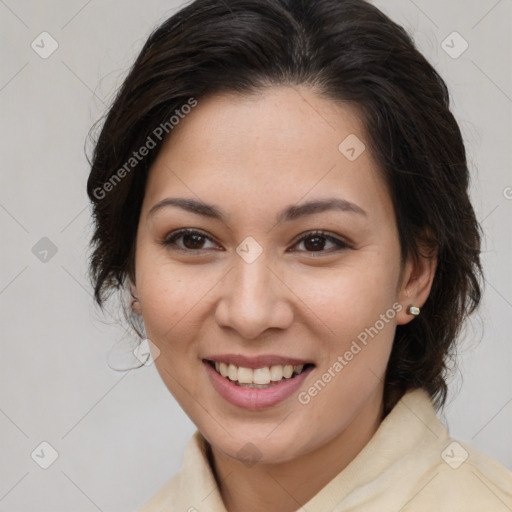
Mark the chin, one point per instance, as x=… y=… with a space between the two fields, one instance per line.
x=254 y=445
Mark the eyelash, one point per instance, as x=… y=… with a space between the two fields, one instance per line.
x=170 y=241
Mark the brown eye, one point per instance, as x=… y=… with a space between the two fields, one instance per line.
x=187 y=240
x=317 y=241
x=193 y=241
x=314 y=243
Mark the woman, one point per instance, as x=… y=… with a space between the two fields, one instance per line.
x=282 y=189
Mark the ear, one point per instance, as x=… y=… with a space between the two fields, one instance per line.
x=416 y=282
x=135 y=304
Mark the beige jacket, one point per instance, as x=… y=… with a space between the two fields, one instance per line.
x=411 y=464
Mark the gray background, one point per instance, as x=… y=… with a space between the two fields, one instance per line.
x=120 y=435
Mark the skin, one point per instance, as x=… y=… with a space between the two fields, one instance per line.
x=252 y=156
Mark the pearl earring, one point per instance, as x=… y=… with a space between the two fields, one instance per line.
x=413 y=310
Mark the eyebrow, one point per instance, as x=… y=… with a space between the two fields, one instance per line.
x=290 y=213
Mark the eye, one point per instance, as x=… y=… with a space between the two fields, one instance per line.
x=316 y=241
x=191 y=240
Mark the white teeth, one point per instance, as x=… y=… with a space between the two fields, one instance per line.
x=223 y=369
x=276 y=373
x=288 y=371
x=260 y=376
x=245 y=375
x=232 y=372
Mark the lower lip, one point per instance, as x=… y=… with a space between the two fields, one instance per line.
x=253 y=398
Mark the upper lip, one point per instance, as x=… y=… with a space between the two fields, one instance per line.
x=256 y=361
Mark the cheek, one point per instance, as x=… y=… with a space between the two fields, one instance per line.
x=170 y=295
x=173 y=298
x=168 y=290
x=352 y=296
x=355 y=312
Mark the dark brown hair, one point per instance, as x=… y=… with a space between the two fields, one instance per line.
x=347 y=50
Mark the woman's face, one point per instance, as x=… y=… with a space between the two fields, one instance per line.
x=256 y=281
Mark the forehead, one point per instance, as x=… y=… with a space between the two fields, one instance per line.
x=280 y=144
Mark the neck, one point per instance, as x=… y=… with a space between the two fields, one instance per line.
x=289 y=485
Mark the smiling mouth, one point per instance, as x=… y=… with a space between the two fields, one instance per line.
x=259 y=378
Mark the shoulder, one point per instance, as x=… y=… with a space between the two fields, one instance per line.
x=464 y=479
x=428 y=470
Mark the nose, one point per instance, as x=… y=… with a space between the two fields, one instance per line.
x=253 y=299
